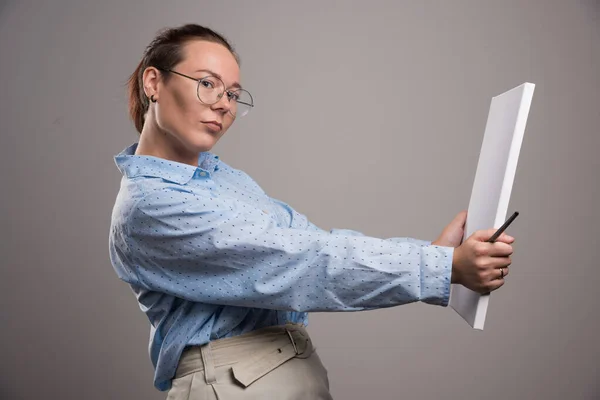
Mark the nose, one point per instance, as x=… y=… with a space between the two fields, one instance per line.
x=223 y=104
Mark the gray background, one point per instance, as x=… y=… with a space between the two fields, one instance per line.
x=369 y=116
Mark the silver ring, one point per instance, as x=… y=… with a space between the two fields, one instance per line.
x=501 y=273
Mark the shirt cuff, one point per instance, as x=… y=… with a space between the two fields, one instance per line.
x=436 y=273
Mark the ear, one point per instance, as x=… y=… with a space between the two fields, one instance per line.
x=150 y=79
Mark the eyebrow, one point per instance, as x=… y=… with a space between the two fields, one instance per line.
x=235 y=84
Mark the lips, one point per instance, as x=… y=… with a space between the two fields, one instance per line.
x=213 y=125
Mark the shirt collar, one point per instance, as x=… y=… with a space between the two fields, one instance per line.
x=132 y=165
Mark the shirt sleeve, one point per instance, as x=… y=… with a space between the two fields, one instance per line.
x=219 y=250
x=295 y=219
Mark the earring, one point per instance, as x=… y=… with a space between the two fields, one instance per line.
x=152 y=99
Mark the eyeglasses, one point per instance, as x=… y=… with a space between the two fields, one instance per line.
x=211 y=89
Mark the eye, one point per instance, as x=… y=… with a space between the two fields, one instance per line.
x=233 y=96
x=207 y=83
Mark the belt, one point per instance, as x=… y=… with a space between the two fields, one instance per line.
x=251 y=355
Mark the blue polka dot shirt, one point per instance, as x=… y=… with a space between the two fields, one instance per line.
x=208 y=255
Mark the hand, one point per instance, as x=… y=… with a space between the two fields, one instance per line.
x=452 y=235
x=476 y=264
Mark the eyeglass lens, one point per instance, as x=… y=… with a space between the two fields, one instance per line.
x=211 y=89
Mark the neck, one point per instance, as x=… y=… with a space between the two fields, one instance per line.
x=159 y=143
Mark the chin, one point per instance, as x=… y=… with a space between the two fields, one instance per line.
x=204 y=141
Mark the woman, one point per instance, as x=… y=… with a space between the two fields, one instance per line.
x=226 y=274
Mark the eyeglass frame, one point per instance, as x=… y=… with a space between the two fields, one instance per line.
x=199 y=80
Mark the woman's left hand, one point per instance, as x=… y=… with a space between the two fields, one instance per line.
x=452 y=235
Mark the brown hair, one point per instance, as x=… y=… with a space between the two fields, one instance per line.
x=164 y=52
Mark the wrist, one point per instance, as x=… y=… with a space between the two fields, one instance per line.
x=455 y=274
x=454 y=277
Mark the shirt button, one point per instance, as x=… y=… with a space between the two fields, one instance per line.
x=202 y=173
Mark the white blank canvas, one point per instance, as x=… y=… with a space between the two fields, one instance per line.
x=493 y=183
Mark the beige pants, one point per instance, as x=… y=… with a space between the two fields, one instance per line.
x=277 y=362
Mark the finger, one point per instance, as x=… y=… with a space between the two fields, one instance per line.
x=461 y=217
x=491 y=286
x=495 y=284
x=501 y=273
x=500 y=249
x=496 y=274
x=459 y=220
x=500 y=262
x=493 y=250
x=505 y=238
x=484 y=234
